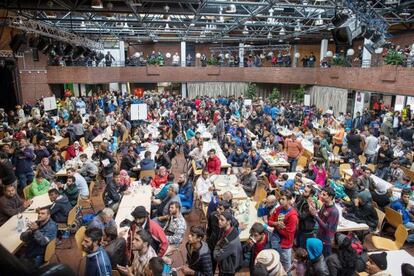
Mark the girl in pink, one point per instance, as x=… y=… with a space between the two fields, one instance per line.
x=320 y=173
x=124 y=179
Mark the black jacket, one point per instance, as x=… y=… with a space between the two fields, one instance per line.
x=116 y=250
x=111 y=194
x=228 y=252
x=128 y=163
x=364 y=213
x=109 y=169
x=59 y=210
x=306 y=220
x=7 y=175
x=317 y=267
x=200 y=261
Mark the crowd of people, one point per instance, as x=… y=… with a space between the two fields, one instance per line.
x=296 y=231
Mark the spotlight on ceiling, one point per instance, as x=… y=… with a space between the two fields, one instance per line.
x=96 y=4
x=282 y=31
x=269 y=35
x=245 y=30
x=319 y=21
x=231 y=8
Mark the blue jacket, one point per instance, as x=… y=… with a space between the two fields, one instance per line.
x=237 y=160
x=23 y=160
x=37 y=241
x=98 y=264
x=400 y=207
x=186 y=194
x=147 y=164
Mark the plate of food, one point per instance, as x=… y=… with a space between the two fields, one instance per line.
x=221 y=184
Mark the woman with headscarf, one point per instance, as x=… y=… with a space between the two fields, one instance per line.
x=317 y=264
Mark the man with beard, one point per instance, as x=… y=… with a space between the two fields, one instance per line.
x=11 y=204
x=185 y=193
x=306 y=228
x=141 y=221
x=97 y=260
x=143 y=253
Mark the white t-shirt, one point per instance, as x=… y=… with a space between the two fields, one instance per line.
x=372 y=143
x=202 y=186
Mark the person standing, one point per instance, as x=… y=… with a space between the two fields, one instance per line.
x=384 y=159
x=108 y=59
x=327 y=219
x=23 y=163
x=306 y=225
x=294 y=150
x=284 y=220
x=97 y=260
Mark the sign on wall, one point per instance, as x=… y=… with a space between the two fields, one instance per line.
x=399 y=103
x=49 y=103
x=359 y=102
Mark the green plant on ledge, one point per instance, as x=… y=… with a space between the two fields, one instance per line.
x=299 y=94
x=275 y=95
x=338 y=61
x=394 y=58
x=251 y=91
x=212 y=61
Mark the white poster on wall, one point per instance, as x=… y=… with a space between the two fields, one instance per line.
x=247 y=102
x=399 y=103
x=139 y=112
x=410 y=101
x=49 y=103
x=359 y=102
x=306 y=100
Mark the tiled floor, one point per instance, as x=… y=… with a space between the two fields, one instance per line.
x=72 y=256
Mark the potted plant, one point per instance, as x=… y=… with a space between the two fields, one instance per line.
x=275 y=95
x=394 y=57
x=338 y=60
x=251 y=91
x=212 y=61
x=299 y=94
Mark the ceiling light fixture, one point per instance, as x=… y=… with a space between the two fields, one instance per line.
x=231 y=8
x=319 y=21
x=245 y=30
x=269 y=35
x=83 y=24
x=282 y=31
x=96 y=4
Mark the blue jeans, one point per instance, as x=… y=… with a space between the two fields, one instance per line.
x=410 y=226
x=286 y=258
x=25 y=178
x=381 y=172
x=293 y=162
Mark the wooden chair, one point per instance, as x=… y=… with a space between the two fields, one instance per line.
x=302 y=163
x=408 y=173
x=342 y=169
x=335 y=150
x=83 y=143
x=401 y=235
x=146 y=173
x=49 y=252
x=197 y=172
x=381 y=217
x=125 y=136
x=362 y=159
x=115 y=272
x=78 y=238
x=393 y=217
x=259 y=195
x=85 y=203
x=97 y=201
x=63 y=143
x=26 y=191
x=63 y=154
x=372 y=167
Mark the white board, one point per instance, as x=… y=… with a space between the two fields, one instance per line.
x=49 y=103
x=306 y=100
x=399 y=103
x=139 y=111
x=247 y=102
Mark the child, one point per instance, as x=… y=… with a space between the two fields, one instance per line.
x=299 y=262
x=320 y=173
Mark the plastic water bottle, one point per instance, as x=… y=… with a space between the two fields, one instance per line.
x=20 y=223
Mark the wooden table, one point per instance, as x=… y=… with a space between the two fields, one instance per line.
x=140 y=196
x=273 y=161
x=247 y=218
x=9 y=237
x=226 y=183
x=152 y=147
x=285 y=132
x=203 y=131
x=375 y=178
x=345 y=225
x=38 y=202
x=395 y=258
x=153 y=130
x=213 y=144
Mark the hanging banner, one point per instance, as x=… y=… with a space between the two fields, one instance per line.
x=306 y=100
x=49 y=103
x=399 y=103
x=139 y=112
x=359 y=103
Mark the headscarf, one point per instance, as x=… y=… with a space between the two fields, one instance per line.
x=314 y=247
x=124 y=178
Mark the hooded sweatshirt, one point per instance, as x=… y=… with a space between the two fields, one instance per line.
x=60 y=209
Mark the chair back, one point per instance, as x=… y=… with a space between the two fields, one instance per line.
x=260 y=194
x=302 y=162
x=335 y=150
x=362 y=159
x=79 y=237
x=82 y=142
x=372 y=167
x=50 y=251
x=146 y=173
x=63 y=143
x=344 y=167
x=408 y=173
x=115 y=272
x=401 y=235
x=26 y=192
x=91 y=188
x=72 y=215
x=64 y=154
x=393 y=217
x=381 y=217
x=125 y=136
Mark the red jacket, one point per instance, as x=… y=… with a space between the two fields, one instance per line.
x=158 y=180
x=214 y=165
x=290 y=219
x=71 y=152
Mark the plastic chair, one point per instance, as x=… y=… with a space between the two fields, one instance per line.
x=302 y=163
x=393 y=217
x=342 y=169
x=400 y=235
x=146 y=173
x=50 y=251
x=335 y=150
x=63 y=143
x=372 y=167
x=362 y=159
x=381 y=217
x=26 y=192
x=79 y=238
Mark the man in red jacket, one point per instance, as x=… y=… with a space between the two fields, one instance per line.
x=213 y=162
x=284 y=220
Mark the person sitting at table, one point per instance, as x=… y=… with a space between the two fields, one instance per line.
x=402 y=206
x=407 y=269
x=384 y=158
x=7 y=175
x=104 y=218
x=162 y=159
x=73 y=151
x=97 y=260
x=147 y=163
x=213 y=163
x=377 y=264
x=37 y=236
x=39 y=186
x=129 y=163
x=185 y=193
x=106 y=162
x=403 y=183
x=175 y=226
x=198 y=254
x=44 y=168
x=115 y=246
x=254 y=161
x=267 y=207
x=198 y=156
x=248 y=180
x=56 y=161
x=88 y=170
x=163 y=193
x=394 y=173
x=365 y=181
x=215 y=199
x=142 y=221
x=80 y=182
x=347 y=155
x=260 y=239
x=204 y=187
x=11 y=204
x=362 y=210
x=113 y=194
x=59 y=210
x=380 y=194
x=161 y=207
x=71 y=191
x=236 y=160
x=160 y=178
